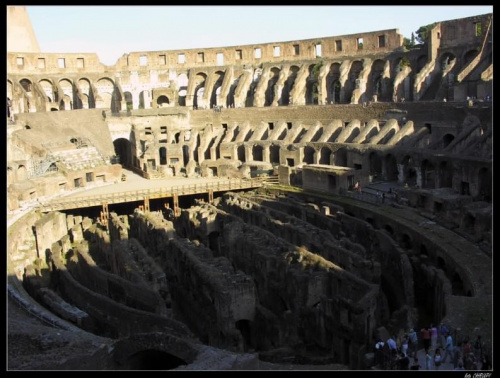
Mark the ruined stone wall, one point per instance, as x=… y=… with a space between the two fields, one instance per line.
x=112 y=318
x=197 y=280
x=48 y=229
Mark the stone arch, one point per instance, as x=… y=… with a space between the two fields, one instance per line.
x=446 y=59
x=391 y=167
x=232 y=89
x=350 y=84
x=274 y=154
x=288 y=85
x=48 y=88
x=340 y=157
x=182 y=84
x=468 y=56
x=333 y=84
x=308 y=155
x=105 y=88
x=86 y=94
x=274 y=75
x=218 y=80
x=124 y=150
x=375 y=164
x=447 y=139
x=421 y=62
x=143 y=99
x=199 y=90
x=311 y=87
x=428 y=174
x=26 y=84
x=241 y=153
x=445 y=175
x=375 y=84
x=325 y=156
x=162 y=151
x=406 y=242
x=129 y=100
x=162 y=101
x=409 y=171
x=257 y=152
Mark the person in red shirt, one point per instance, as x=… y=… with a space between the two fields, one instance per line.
x=426 y=337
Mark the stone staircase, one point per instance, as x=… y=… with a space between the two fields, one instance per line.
x=80 y=158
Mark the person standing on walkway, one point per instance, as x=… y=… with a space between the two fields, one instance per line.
x=426 y=337
x=438 y=359
x=448 y=348
x=412 y=343
x=428 y=360
x=457 y=355
x=434 y=337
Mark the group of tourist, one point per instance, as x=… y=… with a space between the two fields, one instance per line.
x=439 y=347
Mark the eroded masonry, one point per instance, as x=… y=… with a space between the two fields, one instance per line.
x=350 y=198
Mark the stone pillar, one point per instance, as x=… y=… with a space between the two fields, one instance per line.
x=401 y=173
x=419 y=176
x=266 y=154
x=316 y=156
x=248 y=153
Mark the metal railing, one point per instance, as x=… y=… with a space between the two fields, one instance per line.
x=141 y=194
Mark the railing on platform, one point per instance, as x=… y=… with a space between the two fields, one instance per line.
x=139 y=195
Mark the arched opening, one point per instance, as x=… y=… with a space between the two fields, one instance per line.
x=271 y=83
x=241 y=153
x=152 y=360
x=340 y=158
x=325 y=156
x=446 y=60
x=274 y=154
x=457 y=285
x=106 y=92
x=428 y=175
x=232 y=89
x=351 y=82
x=389 y=229
x=447 y=139
x=308 y=155
x=333 y=84
x=26 y=85
x=406 y=242
x=421 y=62
x=185 y=154
x=182 y=84
x=162 y=101
x=468 y=56
x=288 y=86
x=243 y=326
x=214 y=98
x=375 y=165
x=123 y=149
x=312 y=86
x=129 y=101
x=163 y=155
x=423 y=250
x=87 y=94
x=445 y=174
x=214 y=242
x=375 y=85
x=257 y=153
x=410 y=174
x=391 y=168
x=441 y=264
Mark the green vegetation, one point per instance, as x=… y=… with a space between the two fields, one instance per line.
x=316 y=69
x=409 y=43
x=405 y=62
x=423 y=33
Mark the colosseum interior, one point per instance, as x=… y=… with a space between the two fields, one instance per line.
x=228 y=208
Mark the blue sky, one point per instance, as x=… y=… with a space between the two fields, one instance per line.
x=111 y=31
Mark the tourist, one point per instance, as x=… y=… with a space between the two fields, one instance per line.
x=442 y=332
x=426 y=337
x=478 y=347
x=448 y=348
x=404 y=342
x=434 y=336
x=379 y=352
x=428 y=360
x=438 y=359
x=391 y=342
x=412 y=342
